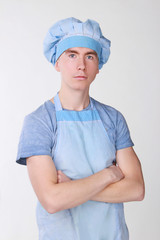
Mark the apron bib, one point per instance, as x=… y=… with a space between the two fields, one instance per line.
x=82 y=149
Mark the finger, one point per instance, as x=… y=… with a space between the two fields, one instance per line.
x=59 y=177
x=114 y=162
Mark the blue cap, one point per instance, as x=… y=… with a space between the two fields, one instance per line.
x=71 y=32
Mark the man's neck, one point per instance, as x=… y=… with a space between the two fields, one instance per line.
x=74 y=100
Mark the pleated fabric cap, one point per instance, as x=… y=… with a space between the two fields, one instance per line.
x=71 y=32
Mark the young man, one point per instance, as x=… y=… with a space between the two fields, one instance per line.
x=78 y=151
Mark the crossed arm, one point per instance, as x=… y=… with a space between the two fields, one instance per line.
x=120 y=183
x=131 y=187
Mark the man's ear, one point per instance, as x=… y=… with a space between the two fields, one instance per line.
x=57 y=66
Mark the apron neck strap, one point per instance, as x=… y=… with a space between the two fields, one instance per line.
x=58 y=105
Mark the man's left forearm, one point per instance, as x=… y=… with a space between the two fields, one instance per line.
x=125 y=190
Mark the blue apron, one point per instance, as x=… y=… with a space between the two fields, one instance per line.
x=82 y=149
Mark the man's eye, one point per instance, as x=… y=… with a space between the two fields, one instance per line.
x=90 y=57
x=72 y=55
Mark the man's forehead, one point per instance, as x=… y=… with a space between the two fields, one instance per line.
x=81 y=50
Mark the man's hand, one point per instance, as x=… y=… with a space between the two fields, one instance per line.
x=61 y=177
x=116 y=173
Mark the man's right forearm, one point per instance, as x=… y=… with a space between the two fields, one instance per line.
x=73 y=193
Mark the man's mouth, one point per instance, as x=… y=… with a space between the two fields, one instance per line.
x=80 y=77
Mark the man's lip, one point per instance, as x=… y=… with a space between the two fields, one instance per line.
x=80 y=77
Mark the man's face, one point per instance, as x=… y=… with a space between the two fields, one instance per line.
x=78 y=67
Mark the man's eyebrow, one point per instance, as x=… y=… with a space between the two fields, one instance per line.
x=71 y=51
x=94 y=53
x=74 y=51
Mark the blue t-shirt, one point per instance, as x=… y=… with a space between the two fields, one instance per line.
x=39 y=131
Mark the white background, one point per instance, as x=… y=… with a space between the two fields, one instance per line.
x=128 y=82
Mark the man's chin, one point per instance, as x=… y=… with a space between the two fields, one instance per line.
x=80 y=87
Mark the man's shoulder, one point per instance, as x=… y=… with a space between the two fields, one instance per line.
x=45 y=113
x=104 y=107
x=110 y=115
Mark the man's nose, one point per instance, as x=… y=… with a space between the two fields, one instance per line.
x=81 y=63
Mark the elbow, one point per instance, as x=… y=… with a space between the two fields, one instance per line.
x=141 y=196
x=48 y=206
x=51 y=204
x=140 y=192
x=51 y=209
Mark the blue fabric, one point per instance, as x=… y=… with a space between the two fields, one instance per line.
x=87 y=34
x=77 y=116
x=39 y=131
x=83 y=148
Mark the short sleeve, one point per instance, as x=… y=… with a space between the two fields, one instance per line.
x=123 y=139
x=35 y=138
